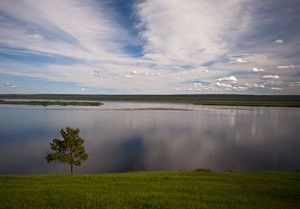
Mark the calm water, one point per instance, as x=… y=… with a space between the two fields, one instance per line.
x=220 y=138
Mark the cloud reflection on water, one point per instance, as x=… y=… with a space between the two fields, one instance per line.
x=209 y=137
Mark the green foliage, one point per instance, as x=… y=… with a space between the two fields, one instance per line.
x=68 y=150
x=155 y=190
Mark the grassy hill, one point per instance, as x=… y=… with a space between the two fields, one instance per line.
x=136 y=190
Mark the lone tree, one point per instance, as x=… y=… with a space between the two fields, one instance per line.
x=68 y=150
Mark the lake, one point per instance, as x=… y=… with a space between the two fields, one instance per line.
x=122 y=136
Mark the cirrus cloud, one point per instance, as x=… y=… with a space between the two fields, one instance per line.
x=168 y=45
x=286 y=66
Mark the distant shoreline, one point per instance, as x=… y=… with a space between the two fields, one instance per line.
x=213 y=99
x=49 y=103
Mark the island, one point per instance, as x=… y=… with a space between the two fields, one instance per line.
x=48 y=103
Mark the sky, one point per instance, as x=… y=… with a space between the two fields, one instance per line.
x=150 y=46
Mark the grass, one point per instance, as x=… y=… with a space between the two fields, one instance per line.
x=231 y=100
x=47 y=103
x=220 y=190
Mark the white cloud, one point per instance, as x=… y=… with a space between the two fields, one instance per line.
x=189 y=32
x=271 y=77
x=10 y=85
x=258 y=85
x=276 y=88
x=185 y=41
x=254 y=85
x=240 y=88
x=35 y=36
x=295 y=84
x=197 y=84
x=81 y=29
x=229 y=79
x=223 y=85
x=238 y=61
x=257 y=69
x=286 y=66
x=243 y=55
x=279 y=41
x=128 y=76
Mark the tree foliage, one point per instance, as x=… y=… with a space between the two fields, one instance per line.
x=68 y=150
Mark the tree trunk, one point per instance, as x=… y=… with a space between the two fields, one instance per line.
x=71 y=168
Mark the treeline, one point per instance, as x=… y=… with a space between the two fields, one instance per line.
x=213 y=99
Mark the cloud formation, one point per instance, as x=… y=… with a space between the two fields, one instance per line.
x=286 y=66
x=229 y=79
x=279 y=41
x=238 y=61
x=10 y=85
x=186 y=32
x=257 y=69
x=271 y=77
x=153 y=47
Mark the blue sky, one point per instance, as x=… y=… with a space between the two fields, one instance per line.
x=150 y=46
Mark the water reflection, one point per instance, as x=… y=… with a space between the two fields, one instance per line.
x=221 y=138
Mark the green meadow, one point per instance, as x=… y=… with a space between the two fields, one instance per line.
x=134 y=190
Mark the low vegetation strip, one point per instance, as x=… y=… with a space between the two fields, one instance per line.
x=153 y=109
x=232 y=100
x=139 y=190
x=47 y=103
